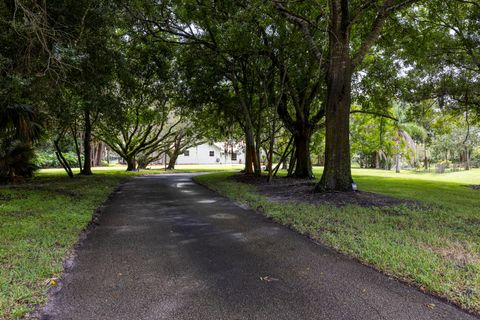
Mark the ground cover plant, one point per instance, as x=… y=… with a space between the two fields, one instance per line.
x=435 y=246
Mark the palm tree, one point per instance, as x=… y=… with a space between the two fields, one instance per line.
x=405 y=131
x=19 y=129
x=19 y=122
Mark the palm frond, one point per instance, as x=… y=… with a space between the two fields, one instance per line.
x=19 y=121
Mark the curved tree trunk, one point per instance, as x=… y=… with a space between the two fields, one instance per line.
x=77 y=148
x=61 y=159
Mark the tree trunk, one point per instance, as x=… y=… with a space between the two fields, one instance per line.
x=397 y=163
x=250 y=154
x=94 y=154
x=303 y=161
x=292 y=162
x=270 y=150
x=270 y=163
x=99 y=154
x=397 y=153
x=377 y=160
x=131 y=164
x=171 y=162
x=77 y=148
x=249 y=159
x=283 y=159
x=61 y=159
x=467 y=159
x=87 y=148
x=337 y=174
x=257 y=167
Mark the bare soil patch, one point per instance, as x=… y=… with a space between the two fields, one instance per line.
x=286 y=189
x=456 y=252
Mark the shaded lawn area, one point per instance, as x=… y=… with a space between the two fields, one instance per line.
x=436 y=247
x=39 y=223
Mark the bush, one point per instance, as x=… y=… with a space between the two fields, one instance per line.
x=46 y=159
x=445 y=163
x=104 y=163
x=475 y=157
x=16 y=160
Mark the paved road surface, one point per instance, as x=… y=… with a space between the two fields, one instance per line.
x=167 y=248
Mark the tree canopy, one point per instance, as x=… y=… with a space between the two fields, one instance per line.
x=381 y=83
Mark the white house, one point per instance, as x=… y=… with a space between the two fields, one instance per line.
x=214 y=153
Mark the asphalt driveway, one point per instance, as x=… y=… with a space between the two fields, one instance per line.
x=167 y=248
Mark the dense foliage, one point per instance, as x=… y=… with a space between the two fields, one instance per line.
x=385 y=84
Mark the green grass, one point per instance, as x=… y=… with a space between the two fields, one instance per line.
x=120 y=169
x=41 y=220
x=436 y=247
x=39 y=223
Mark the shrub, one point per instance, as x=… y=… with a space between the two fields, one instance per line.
x=16 y=160
x=46 y=159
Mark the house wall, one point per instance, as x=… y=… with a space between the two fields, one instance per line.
x=227 y=158
x=201 y=155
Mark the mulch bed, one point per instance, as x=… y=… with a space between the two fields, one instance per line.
x=285 y=189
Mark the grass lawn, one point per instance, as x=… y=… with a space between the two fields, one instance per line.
x=120 y=169
x=40 y=222
x=436 y=247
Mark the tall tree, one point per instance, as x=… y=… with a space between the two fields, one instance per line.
x=139 y=117
x=252 y=49
x=352 y=29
